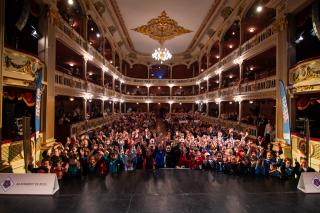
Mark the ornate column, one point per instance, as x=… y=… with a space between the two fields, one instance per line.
x=102 y=107
x=85 y=68
x=47 y=53
x=240 y=111
x=113 y=107
x=148 y=107
x=2 y=26
x=113 y=82
x=85 y=27
x=208 y=85
x=102 y=77
x=85 y=109
x=240 y=71
x=170 y=72
x=125 y=107
x=119 y=107
x=219 y=115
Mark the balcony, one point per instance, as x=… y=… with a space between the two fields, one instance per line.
x=19 y=68
x=264 y=84
x=304 y=76
x=237 y=126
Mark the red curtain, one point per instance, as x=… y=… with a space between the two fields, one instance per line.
x=27 y=97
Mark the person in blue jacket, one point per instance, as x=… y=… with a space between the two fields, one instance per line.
x=160 y=154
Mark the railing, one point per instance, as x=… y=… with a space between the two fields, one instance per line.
x=82 y=127
x=258 y=85
x=69 y=81
x=12 y=154
x=305 y=76
x=210 y=72
x=229 y=91
x=237 y=126
x=20 y=66
x=257 y=39
x=74 y=35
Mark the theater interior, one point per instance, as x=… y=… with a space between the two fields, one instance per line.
x=161 y=106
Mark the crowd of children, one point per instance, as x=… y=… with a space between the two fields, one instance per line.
x=133 y=142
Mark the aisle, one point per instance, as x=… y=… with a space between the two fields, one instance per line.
x=161 y=128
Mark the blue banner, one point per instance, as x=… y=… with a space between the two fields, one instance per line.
x=285 y=114
x=38 y=103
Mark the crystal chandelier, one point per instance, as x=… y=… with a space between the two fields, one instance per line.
x=161 y=54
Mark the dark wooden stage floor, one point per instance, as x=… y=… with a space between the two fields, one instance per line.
x=168 y=191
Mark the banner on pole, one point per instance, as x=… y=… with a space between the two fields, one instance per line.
x=38 y=103
x=285 y=114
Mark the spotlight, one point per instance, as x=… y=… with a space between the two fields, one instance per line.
x=217 y=56
x=230 y=76
x=217 y=82
x=251 y=29
x=158 y=87
x=202 y=70
x=34 y=32
x=251 y=102
x=90 y=73
x=98 y=35
x=158 y=103
x=259 y=9
x=299 y=39
x=251 y=68
x=137 y=103
x=180 y=103
x=91 y=28
x=70 y=2
x=230 y=46
x=230 y=102
x=71 y=64
x=233 y=33
x=71 y=99
x=138 y=87
x=180 y=87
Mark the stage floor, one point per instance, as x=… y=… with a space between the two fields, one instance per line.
x=168 y=191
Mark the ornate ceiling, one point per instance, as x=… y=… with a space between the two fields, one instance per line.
x=199 y=18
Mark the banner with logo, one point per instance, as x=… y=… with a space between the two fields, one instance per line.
x=38 y=103
x=285 y=114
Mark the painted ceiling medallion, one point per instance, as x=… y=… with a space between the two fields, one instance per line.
x=162 y=28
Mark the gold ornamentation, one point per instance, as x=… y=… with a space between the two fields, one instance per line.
x=306 y=76
x=280 y=24
x=162 y=28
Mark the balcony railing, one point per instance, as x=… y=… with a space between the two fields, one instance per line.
x=256 y=40
x=305 y=76
x=237 y=126
x=69 y=81
x=19 y=67
x=74 y=35
x=258 y=85
x=89 y=125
